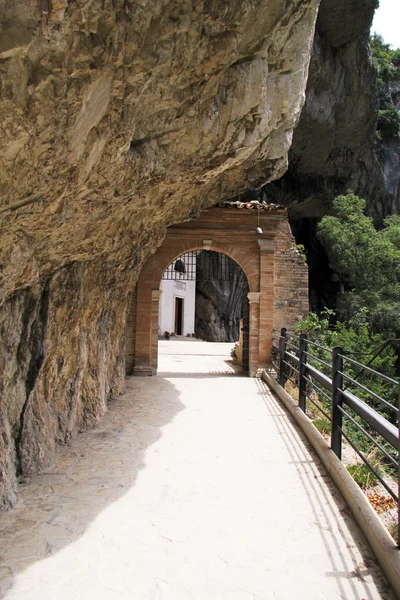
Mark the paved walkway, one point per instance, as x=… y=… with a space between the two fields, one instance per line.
x=195 y=486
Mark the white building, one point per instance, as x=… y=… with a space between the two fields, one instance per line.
x=178 y=298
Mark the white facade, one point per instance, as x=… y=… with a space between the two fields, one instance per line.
x=175 y=294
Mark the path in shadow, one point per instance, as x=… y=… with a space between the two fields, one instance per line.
x=327 y=504
x=98 y=468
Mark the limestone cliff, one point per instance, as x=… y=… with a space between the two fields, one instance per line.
x=118 y=118
x=389 y=158
x=218 y=300
x=334 y=145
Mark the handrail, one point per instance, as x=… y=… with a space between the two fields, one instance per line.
x=379 y=423
x=366 y=368
x=302 y=372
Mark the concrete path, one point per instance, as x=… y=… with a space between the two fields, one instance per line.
x=195 y=486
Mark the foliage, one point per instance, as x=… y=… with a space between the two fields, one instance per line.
x=323 y=425
x=394 y=532
x=389 y=122
x=386 y=59
x=387 y=62
x=356 y=340
x=302 y=251
x=362 y=476
x=367 y=262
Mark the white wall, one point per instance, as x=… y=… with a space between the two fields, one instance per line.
x=166 y=317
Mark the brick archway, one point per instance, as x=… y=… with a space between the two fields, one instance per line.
x=172 y=252
x=277 y=277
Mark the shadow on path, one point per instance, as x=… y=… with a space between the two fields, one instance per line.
x=99 y=466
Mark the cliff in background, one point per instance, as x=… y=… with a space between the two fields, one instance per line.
x=218 y=299
x=335 y=147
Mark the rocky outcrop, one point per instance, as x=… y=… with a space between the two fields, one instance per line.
x=219 y=299
x=117 y=119
x=61 y=361
x=334 y=145
x=389 y=158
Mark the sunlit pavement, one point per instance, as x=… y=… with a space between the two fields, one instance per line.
x=195 y=485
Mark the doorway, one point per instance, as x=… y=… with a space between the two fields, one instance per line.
x=179 y=302
x=212 y=305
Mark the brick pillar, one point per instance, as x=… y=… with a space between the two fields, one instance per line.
x=143 y=325
x=254 y=301
x=155 y=304
x=130 y=333
x=267 y=275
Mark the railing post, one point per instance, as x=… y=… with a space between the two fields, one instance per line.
x=398 y=473
x=282 y=350
x=337 y=417
x=302 y=372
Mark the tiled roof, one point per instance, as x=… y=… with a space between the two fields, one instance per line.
x=252 y=204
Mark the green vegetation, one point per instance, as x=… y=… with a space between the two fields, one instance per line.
x=387 y=62
x=302 y=251
x=367 y=262
x=362 y=476
x=393 y=530
x=358 y=342
x=323 y=425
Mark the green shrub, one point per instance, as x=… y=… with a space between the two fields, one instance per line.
x=302 y=251
x=363 y=476
x=323 y=425
x=389 y=122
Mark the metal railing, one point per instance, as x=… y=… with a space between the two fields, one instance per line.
x=325 y=378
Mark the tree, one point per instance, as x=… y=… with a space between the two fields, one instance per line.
x=387 y=62
x=367 y=262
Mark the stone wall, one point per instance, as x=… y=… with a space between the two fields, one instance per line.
x=47 y=397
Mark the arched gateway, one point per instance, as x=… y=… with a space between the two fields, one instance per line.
x=276 y=274
x=205 y=293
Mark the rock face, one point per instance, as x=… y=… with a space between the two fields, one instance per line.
x=117 y=119
x=389 y=155
x=334 y=145
x=218 y=302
